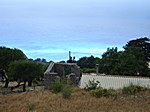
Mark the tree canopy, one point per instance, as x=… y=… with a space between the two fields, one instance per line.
x=88 y=62
x=7 y=55
x=142 y=43
x=110 y=60
x=24 y=71
x=131 y=61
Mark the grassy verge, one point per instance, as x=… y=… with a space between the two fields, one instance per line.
x=81 y=100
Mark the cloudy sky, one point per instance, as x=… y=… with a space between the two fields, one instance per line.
x=51 y=28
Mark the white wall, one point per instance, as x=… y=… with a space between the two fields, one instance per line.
x=114 y=82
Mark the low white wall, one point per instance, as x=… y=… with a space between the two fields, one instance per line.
x=114 y=82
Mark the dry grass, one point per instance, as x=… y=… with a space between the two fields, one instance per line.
x=80 y=101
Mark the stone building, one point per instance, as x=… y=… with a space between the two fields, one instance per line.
x=62 y=71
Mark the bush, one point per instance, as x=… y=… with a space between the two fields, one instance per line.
x=88 y=70
x=132 y=89
x=57 y=86
x=31 y=106
x=66 y=92
x=92 y=85
x=100 y=92
x=61 y=87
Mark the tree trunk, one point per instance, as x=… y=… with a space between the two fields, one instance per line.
x=6 y=83
x=29 y=83
x=4 y=76
x=24 y=86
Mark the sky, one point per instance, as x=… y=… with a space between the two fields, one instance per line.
x=51 y=28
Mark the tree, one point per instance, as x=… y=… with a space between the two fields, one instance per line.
x=142 y=43
x=129 y=62
x=109 y=61
x=8 y=55
x=39 y=60
x=87 y=62
x=62 y=62
x=24 y=71
x=133 y=62
x=3 y=75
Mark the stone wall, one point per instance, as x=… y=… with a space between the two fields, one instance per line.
x=56 y=71
x=49 y=79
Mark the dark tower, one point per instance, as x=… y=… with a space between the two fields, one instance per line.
x=69 y=54
x=70 y=58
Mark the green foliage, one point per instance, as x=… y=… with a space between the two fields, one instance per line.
x=61 y=87
x=23 y=71
x=40 y=60
x=66 y=92
x=109 y=62
x=129 y=62
x=57 y=86
x=8 y=55
x=88 y=70
x=97 y=91
x=141 y=43
x=92 y=85
x=133 y=89
x=31 y=106
x=133 y=61
x=100 y=92
x=88 y=62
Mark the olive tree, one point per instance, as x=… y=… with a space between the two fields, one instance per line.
x=8 y=55
x=25 y=71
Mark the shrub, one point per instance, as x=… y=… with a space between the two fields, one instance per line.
x=61 y=87
x=57 y=86
x=100 y=92
x=88 y=70
x=31 y=106
x=92 y=85
x=132 y=89
x=112 y=92
x=66 y=92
